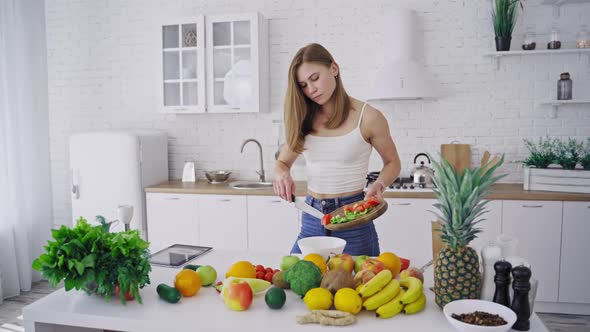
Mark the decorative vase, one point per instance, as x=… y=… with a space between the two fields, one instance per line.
x=503 y=43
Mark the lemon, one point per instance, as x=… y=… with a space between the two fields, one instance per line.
x=348 y=300
x=318 y=298
x=318 y=260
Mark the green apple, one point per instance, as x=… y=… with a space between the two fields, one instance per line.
x=358 y=262
x=208 y=274
x=288 y=261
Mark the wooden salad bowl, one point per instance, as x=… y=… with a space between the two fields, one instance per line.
x=376 y=212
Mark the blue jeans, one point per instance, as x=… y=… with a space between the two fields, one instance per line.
x=362 y=240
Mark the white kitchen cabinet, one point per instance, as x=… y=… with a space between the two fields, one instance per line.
x=574 y=271
x=181 y=66
x=237 y=63
x=171 y=218
x=273 y=224
x=405 y=229
x=491 y=227
x=223 y=222
x=537 y=226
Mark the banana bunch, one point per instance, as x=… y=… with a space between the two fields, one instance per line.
x=409 y=298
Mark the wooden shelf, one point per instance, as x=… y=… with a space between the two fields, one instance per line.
x=555 y=104
x=497 y=55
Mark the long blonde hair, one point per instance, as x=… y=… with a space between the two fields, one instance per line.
x=299 y=110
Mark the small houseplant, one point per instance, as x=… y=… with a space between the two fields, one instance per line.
x=542 y=172
x=461 y=205
x=504 y=16
x=90 y=258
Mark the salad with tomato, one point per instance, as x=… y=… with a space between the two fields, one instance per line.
x=351 y=212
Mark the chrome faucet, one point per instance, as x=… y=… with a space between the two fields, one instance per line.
x=261 y=172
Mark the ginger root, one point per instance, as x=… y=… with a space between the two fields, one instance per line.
x=327 y=317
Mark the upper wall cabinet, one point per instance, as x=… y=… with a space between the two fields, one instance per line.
x=237 y=63
x=214 y=64
x=181 y=68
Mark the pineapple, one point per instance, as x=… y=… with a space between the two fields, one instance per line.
x=456 y=273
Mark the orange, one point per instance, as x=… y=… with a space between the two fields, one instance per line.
x=187 y=282
x=241 y=269
x=391 y=261
x=318 y=260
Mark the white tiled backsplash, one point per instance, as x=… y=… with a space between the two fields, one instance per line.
x=102 y=64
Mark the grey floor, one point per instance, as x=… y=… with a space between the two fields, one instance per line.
x=12 y=308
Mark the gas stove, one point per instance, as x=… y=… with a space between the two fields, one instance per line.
x=401 y=184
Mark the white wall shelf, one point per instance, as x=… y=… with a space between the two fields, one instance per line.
x=555 y=104
x=558 y=3
x=497 y=55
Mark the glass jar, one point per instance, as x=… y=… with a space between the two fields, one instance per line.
x=583 y=38
x=554 y=42
x=564 y=87
x=529 y=43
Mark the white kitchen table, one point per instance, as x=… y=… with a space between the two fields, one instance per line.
x=77 y=311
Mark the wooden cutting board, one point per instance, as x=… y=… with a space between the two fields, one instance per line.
x=376 y=212
x=458 y=155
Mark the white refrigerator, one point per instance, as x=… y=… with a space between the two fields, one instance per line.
x=109 y=169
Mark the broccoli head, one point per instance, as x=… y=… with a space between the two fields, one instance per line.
x=303 y=276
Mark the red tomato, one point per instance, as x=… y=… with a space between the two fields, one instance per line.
x=366 y=205
x=355 y=205
x=260 y=275
x=359 y=208
x=405 y=263
x=348 y=208
x=326 y=219
x=268 y=276
x=259 y=268
x=372 y=201
x=128 y=295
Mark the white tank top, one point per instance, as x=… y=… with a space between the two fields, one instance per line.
x=337 y=164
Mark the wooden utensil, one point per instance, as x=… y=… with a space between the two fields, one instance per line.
x=376 y=212
x=458 y=155
x=491 y=163
x=485 y=158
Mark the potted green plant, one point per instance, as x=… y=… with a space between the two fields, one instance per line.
x=504 y=16
x=541 y=154
x=563 y=175
x=92 y=259
x=585 y=157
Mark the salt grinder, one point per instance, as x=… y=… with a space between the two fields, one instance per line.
x=520 y=304
x=502 y=280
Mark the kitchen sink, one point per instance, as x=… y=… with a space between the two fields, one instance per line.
x=250 y=185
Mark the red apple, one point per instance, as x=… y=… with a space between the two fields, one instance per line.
x=372 y=264
x=363 y=276
x=237 y=295
x=341 y=261
x=412 y=272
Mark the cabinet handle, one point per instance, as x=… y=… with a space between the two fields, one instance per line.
x=402 y=204
x=532 y=206
x=279 y=201
x=225 y=200
x=172 y=198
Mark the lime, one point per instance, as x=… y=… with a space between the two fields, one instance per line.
x=348 y=300
x=318 y=298
x=275 y=298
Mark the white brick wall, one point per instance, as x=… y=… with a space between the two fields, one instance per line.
x=102 y=62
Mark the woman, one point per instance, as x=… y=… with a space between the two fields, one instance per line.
x=336 y=134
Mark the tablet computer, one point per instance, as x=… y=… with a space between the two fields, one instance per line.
x=177 y=255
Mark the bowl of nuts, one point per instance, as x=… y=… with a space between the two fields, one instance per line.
x=479 y=316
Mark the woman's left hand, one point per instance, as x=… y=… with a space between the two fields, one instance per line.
x=376 y=190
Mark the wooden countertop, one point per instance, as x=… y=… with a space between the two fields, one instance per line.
x=501 y=191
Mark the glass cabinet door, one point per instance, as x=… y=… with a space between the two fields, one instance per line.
x=182 y=66
x=231 y=63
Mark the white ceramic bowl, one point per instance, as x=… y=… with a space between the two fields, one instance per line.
x=323 y=245
x=469 y=306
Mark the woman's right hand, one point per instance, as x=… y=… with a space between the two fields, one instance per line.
x=284 y=187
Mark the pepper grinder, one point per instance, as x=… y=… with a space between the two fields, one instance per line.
x=502 y=281
x=520 y=303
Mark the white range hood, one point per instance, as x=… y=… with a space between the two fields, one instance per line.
x=402 y=76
